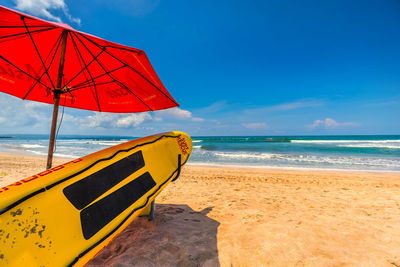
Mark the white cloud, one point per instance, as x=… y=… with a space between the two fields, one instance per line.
x=197 y=119
x=17 y=114
x=329 y=123
x=297 y=105
x=176 y=114
x=113 y=120
x=383 y=103
x=303 y=103
x=255 y=125
x=98 y=120
x=215 y=107
x=41 y=8
x=133 y=120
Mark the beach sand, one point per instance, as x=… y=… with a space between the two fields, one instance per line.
x=256 y=217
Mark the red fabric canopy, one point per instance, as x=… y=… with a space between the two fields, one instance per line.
x=98 y=75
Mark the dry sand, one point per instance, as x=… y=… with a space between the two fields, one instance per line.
x=256 y=217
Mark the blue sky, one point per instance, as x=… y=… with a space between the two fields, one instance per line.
x=279 y=67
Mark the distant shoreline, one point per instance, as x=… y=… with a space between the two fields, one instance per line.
x=332 y=153
x=261 y=167
x=25 y=154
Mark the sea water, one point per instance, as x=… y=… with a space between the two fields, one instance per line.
x=368 y=153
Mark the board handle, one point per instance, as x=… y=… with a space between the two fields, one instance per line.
x=179 y=168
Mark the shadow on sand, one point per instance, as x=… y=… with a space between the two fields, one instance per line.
x=179 y=236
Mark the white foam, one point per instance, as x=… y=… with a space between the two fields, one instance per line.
x=311 y=159
x=31 y=146
x=72 y=141
x=55 y=154
x=65 y=156
x=197 y=141
x=245 y=155
x=109 y=143
x=372 y=145
x=345 y=141
x=93 y=142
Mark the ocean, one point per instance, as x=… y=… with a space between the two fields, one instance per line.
x=364 y=152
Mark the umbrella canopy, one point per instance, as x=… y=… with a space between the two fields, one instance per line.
x=53 y=63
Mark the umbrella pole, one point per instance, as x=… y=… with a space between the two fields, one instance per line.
x=53 y=131
x=57 y=94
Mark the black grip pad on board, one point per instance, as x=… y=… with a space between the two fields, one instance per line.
x=100 y=213
x=83 y=192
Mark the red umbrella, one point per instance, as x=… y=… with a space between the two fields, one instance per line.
x=53 y=63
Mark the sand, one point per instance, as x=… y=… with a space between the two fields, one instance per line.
x=256 y=217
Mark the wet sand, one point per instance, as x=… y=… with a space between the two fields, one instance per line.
x=252 y=217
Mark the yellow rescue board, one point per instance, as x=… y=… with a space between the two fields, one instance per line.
x=64 y=216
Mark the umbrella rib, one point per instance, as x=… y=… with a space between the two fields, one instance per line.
x=23 y=33
x=112 y=76
x=94 y=84
x=132 y=93
x=80 y=60
x=9 y=62
x=94 y=58
x=141 y=75
x=121 y=48
x=16 y=38
x=51 y=62
x=101 y=75
x=84 y=86
x=37 y=51
x=126 y=49
x=37 y=26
